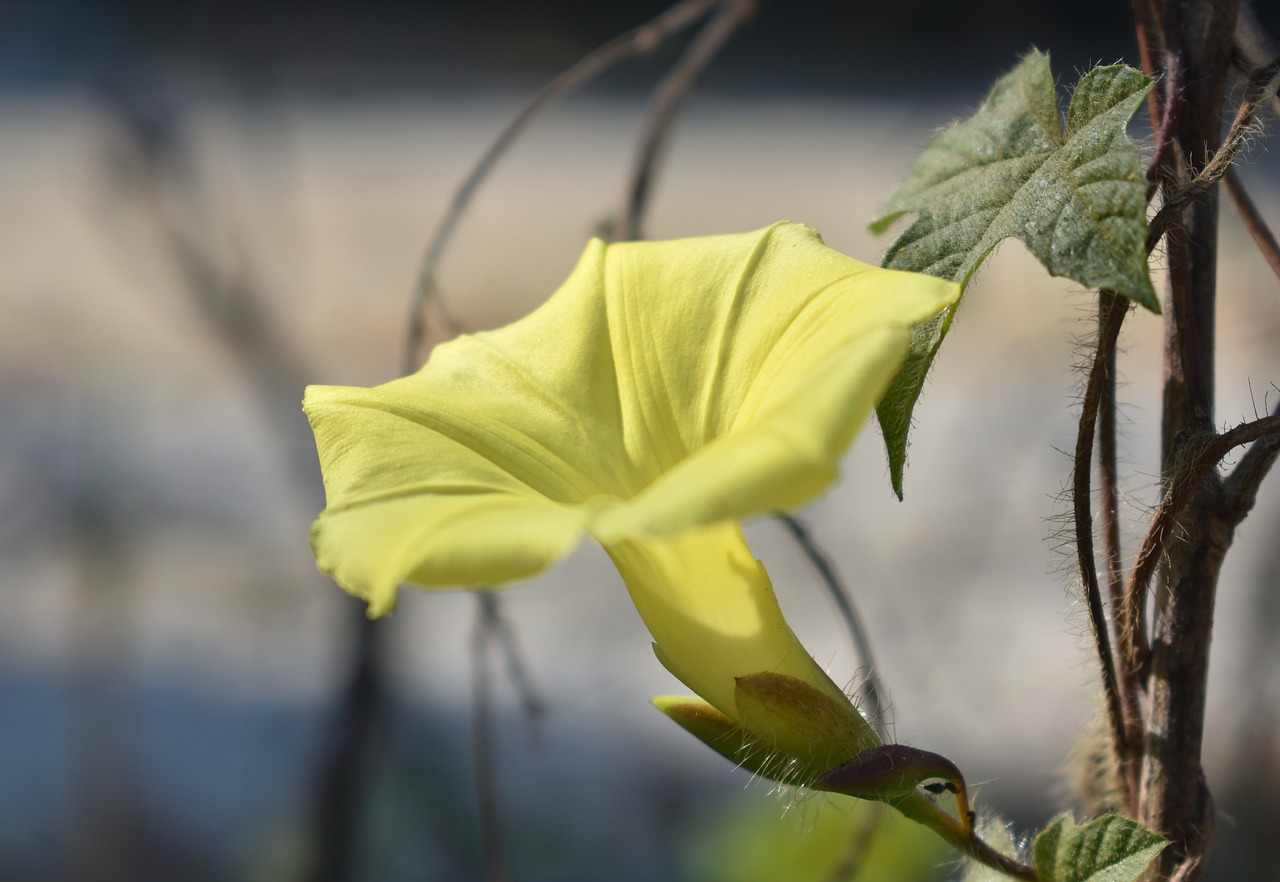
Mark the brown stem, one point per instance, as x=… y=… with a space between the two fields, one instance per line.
x=638 y=41
x=1174 y=799
x=667 y=100
x=1128 y=675
x=1112 y=310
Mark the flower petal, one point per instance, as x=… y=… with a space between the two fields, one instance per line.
x=712 y=612
x=435 y=542
x=485 y=465
x=665 y=385
x=762 y=376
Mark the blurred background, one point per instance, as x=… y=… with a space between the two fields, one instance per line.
x=204 y=206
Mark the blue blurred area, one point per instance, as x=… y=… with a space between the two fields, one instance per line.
x=206 y=205
x=200 y=776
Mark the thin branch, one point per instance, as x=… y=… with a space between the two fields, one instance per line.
x=487 y=624
x=1246 y=477
x=871 y=690
x=1112 y=311
x=636 y=42
x=1259 y=85
x=532 y=704
x=1253 y=220
x=490 y=626
x=668 y=97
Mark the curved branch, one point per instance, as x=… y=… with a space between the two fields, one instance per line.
x=638 y=41
x=871 y=690
x=1253 y=221
x=667 y=100
x=1112 y=311
x=486 y=628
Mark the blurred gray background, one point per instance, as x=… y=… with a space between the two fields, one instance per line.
x=205 y=206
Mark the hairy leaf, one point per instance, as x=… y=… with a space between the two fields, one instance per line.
x=1074 y=195
x=1108 y=849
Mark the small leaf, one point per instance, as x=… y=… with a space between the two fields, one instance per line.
x=1108 y=849
x=1075 y=197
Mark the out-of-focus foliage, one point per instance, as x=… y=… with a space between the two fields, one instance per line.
x=824 y=839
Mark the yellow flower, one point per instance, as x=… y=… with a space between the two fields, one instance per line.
x=666 y=391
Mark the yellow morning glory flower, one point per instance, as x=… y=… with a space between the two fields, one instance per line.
x=666 y=391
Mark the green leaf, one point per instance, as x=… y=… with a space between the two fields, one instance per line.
x=1107 y=849
x=1076 y=197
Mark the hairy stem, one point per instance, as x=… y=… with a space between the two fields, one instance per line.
x=1112 y=310
x=1174 y=798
